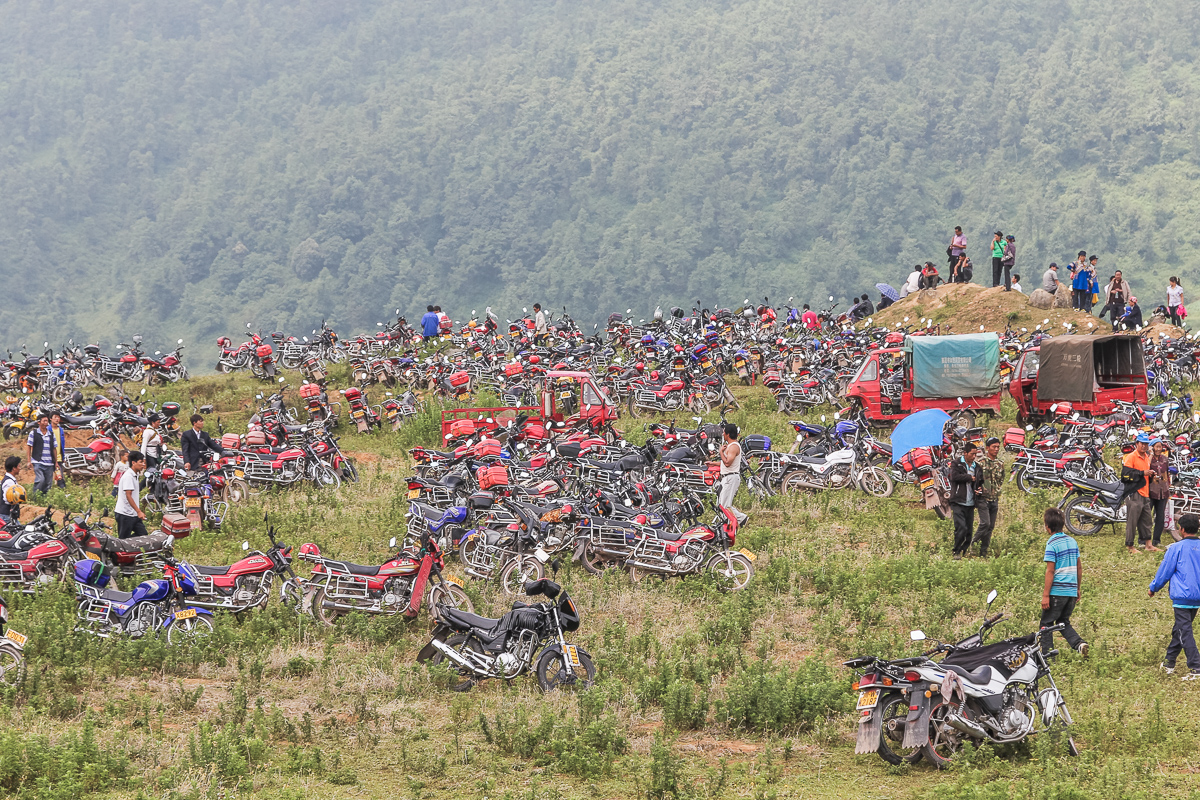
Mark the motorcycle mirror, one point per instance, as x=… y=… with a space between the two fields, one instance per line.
x=398 y=312
x=906 y=319
x=628 y=503
x=1075 y=415
x=980 y=327
x=1024 y=330
x=697 y=420
x=1195 y=417
x=245 y=545
x=790 y=299
x=378 y=324
x=799 y=437
x=169 y=543
x=314 y=331
x=142 y=392
x=247 y=324
x=1046 y=321
x=489 y=420
x=917 y=636
x=180 y=341
x=158 y=352
x=1028 y=427
x=831 y=298
x=629 y=311
x=711 y=447
x=447 y=436
x=822 y=418
x=1054 y=408
x=991 y=597
x=392 y=542
x=524 y=310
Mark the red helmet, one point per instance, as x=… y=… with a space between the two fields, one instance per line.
x=535 y=359
x=223 y=341
x=654 y=375
x=639 y=366
x=309 y=549
x=168 y=474
x=640 y=519
x=1181 y=439
x=678 y=348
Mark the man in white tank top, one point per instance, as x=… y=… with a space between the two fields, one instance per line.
x=731 y=469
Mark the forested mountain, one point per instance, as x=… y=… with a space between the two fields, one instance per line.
x=186 y=166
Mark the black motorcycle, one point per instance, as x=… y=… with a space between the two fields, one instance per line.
x=528 y=637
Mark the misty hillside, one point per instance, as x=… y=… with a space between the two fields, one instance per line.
x=184 y=167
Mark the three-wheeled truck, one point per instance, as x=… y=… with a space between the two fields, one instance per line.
x=567 y=396
x=1089 y=372
x=958 y=374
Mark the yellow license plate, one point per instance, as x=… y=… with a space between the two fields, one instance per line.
x=187 y=613
x=748 y=555
x=356 y=414
x=92 y=556
x=739 y=363
x=573 y=655
x=192 y=502
x=413 y=494
x=19 y=638
x=391 y=414
x=238 y=473
x=926 y=483
x=868 y=698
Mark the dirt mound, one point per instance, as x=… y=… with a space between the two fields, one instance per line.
x=965 y=307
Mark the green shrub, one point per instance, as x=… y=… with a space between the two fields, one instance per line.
x=763 y=698
x=73 y=767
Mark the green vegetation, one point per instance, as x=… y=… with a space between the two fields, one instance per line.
x=180 y=168
x=699 y=695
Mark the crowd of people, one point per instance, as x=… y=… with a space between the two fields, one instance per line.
x=1080 y=279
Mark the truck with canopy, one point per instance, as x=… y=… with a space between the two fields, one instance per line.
x=1089 y=372
x=959 y=374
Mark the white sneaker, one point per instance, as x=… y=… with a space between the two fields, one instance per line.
x=1194 y=675
x=1166 y=668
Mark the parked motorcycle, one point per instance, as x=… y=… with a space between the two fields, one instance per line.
x=530 y=637
x=248 y=583
x=155 y=605
x=1091 y=504
x=12 y=651
x=398 y=586
x=168 y=370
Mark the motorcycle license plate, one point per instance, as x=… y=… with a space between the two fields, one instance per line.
x=739 y=363
x=187 y=613
x=239 y=473
x=356 y=414
x=541 y=555
x=13 y=636
x=868 y=698
x=192 y=502
x=413 y=494
x=573 y=655
x=926 y=483
x=146 y=367
x=748 y=555
x=391 y=414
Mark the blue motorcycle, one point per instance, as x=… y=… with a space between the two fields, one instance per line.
x=155 y=605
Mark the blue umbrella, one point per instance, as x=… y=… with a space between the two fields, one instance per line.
x=922 y=429
x=887 y=291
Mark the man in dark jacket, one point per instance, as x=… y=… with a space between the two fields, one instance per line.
x=1131 y=319
x=194 y=442
x=966 y=480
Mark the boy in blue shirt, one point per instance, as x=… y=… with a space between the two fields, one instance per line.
x=429 y=323
x=1181 y=567
x=1060 y=590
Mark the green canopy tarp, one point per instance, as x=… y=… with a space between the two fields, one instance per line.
x=955 y=366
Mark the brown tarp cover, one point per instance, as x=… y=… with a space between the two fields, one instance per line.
x=1071 y=367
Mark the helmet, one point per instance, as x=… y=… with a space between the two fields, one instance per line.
x=535 y=359
x=654 y=375
x=14 y=495
x=168 y=474
x=309 y=549
x=1181 y=439
x=223 y=341
x=678 y=348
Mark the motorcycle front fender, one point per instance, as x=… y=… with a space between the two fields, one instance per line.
x=580 y=547
x=440 y=634
x=916 y=725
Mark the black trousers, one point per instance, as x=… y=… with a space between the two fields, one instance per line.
x=987 y=523
x=1183 y=639
x=1060 y=611
x=129 y=525
x=964 y=524
x=996 y=273
x=1160 y=517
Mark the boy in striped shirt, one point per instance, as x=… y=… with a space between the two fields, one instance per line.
x=1060 y=590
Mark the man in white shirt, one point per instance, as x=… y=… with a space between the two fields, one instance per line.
x=128 y=511
x=539 y=322
x=731 y=468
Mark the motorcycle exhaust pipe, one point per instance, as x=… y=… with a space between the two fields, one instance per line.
x=453 y=655
x=966 y=726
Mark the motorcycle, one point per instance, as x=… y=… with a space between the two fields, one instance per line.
x=169 y=370
x=1091 y=504
x=395 y=411
x=530 y=637
x=362 y=414
x=838 y=470
x=12 y=651
x=155 y=605
x=397 y=587
x=703 y=548
x=247 y=584
x=95 y=459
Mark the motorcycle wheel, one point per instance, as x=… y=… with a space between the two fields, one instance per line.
x=635 y=411
x=11 y=431
x=517 y=572
x=1023 y=484
x=237 y=491
x=349 y=471
x=151 y=505
x=552 y=672
x=326 y=477
x=327 y=615
x=731 y=572
x=944 y=742
x=699 y=405
x=891 y=733
x=194 y=629
x=61 y=392
x=1080 y=520
x=289 y=361
x=965 y=418
x=12 y=665
x=451 y=595
x=593 y=564
x=876 y=482
x=793 y=483
x=223 y=368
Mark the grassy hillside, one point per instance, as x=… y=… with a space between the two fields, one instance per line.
x=179 y=169
x=699 y=695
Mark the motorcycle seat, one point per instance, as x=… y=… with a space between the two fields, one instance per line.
x=353 y=569
x=668 y=536
x=980 y=677
x=294 y=428
x=116 y=596
x=1105 y=487
x=811 y=459
x=14 y=555
x=429 y=512
x=210 y=570
x=465 y=620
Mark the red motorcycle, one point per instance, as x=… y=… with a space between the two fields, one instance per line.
x=95 y=459
x=397 y=587
x=40 y=565
x=248 y=583
x=362 y=414
x=169 y=370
